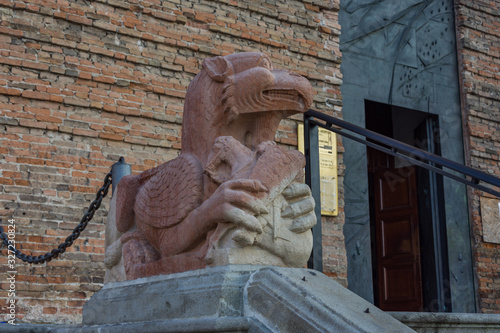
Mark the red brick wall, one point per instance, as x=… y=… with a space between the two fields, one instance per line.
x=478 y=32
x=82 y=83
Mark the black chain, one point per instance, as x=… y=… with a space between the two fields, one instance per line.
x=101 y=193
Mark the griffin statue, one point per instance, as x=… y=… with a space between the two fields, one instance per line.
x=232 y=196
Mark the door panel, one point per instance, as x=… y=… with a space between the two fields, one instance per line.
x=399 y=280
x=398 y=246
x=397 y=235
x=395 y=190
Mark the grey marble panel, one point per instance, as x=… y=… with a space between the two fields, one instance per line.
x=360 y=64
x=459 y=254
x=357 y=221
x=433 y=42
x=402 y=53
x=374 y=16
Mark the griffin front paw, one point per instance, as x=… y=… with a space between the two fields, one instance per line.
x=300 y=207
x=238 y=201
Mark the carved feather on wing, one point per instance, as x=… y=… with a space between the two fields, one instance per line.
x=170 y=192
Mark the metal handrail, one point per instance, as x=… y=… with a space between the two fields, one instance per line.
x=410 y=153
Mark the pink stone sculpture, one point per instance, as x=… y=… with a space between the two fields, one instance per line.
x=232 y=196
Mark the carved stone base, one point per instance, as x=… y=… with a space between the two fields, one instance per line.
x=238 y=256
x=234 y=299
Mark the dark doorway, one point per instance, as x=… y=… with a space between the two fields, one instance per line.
x=407 y=216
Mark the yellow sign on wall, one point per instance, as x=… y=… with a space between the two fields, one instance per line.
x=327 y=169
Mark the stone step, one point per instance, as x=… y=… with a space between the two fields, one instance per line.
x=427 y=322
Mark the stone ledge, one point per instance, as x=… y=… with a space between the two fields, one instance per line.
x=208 y=325
x=427 y=322
x=37 y=328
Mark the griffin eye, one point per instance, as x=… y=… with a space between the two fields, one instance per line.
x=266 y=63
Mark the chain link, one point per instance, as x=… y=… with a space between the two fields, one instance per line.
x=94 y=206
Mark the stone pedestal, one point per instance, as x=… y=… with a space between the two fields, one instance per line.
x=234 y=298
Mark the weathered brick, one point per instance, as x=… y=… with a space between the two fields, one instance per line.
x=10 y=91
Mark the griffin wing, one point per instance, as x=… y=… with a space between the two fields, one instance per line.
x=170 y=192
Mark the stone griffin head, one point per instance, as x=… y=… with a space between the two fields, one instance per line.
x=240 y=95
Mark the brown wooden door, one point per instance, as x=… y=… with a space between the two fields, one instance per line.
x=398 y=247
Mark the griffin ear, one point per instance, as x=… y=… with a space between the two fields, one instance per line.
x=218 y=68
